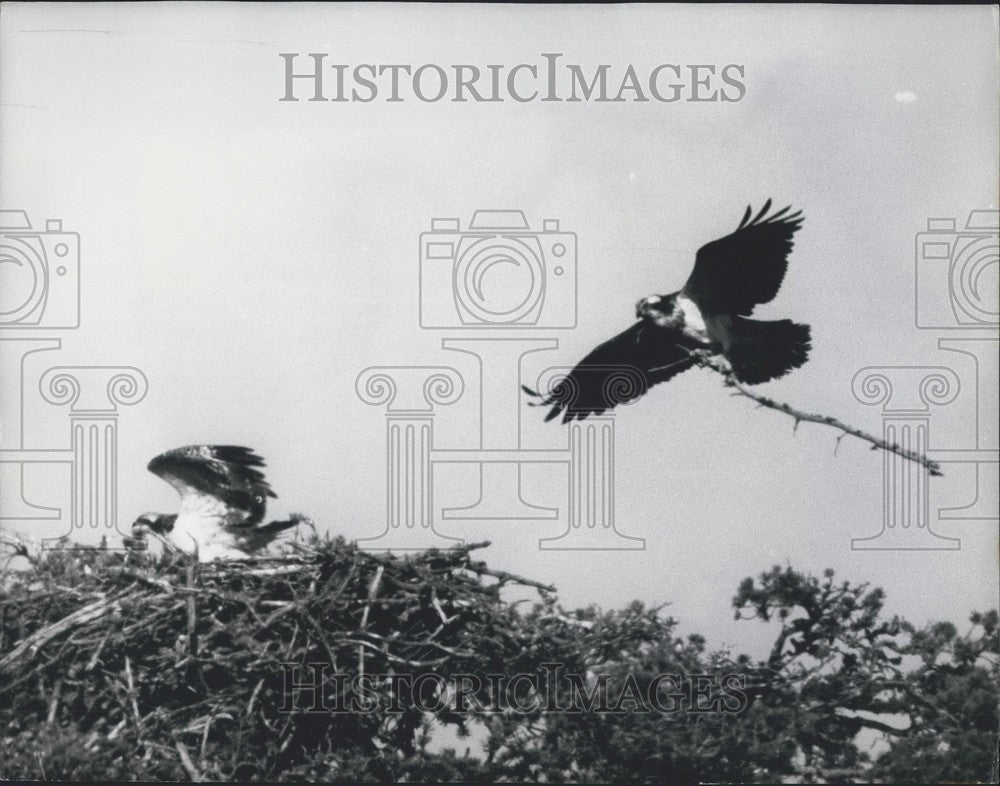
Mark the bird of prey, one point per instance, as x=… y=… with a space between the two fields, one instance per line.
x=731 y=275
x=223 y=501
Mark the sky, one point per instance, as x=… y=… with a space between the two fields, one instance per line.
x=252 y=257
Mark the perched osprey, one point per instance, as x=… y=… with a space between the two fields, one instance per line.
x=731 y=275
x=223 y=500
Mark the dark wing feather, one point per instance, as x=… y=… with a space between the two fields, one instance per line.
x=620 y=370
x=226 y=472
x=734 y=273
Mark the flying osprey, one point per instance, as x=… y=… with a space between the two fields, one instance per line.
x=731 y=275
x=223 y=500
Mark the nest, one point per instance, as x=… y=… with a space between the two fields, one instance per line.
x=187 y=667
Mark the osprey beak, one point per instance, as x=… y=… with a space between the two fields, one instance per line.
x=144 y=524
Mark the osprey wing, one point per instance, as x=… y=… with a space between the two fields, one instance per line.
x=736 y=272
x=220 y=479
x=620 y=370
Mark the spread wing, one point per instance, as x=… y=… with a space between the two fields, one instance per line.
x=220 y=480
x=619 y=370
x=734 y=273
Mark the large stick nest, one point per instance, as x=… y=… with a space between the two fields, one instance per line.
x=190 y=663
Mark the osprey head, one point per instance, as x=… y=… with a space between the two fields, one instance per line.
x=661 y=309
x=152 y=522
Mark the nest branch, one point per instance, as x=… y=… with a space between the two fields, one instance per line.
x=706 y=360
x=152 y=651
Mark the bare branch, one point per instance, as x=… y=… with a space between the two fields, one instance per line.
x=132 y=698
x=186 y=762
x=706 y=360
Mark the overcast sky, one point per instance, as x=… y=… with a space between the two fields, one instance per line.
x=252 y=256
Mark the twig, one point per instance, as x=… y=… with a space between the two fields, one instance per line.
x=31 y=644
x=186 y=762
x=192 y=615
x=253 y=697
x=706 y=361
x=503 y=577
x=54 y=703
x=445 y=619
x=372 y=592
x=204 y=739
x=150 y=581
x=113 y=734
x=276 y=571
x=131 y=696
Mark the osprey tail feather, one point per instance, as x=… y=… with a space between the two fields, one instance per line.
x=763 y=350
